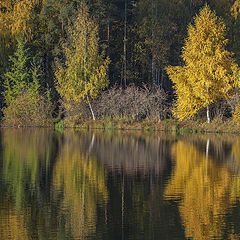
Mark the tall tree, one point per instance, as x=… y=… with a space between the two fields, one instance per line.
x=26 y=103
x=18 y=77
x=85 y=73
x=15 y=21
x=157 y=34
x=207 y=71
x=125 y=46
x=51 y=30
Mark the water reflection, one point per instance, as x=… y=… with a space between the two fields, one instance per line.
x=12 y=226
x=134 y=153
x=26 y=162
x=80 y=183
x=124 y=185
x=27 y=158
x=205 y=187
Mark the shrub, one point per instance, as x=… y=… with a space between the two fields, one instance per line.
x=236 y=114
x=130 y=104
x=73 y=111
x=133 y=102
x=26 y=110
x=59 y=126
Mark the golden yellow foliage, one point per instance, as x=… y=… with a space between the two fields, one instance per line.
x=207 y=73
x=205 y=192
x=12 y=226
x=15 y=18
x=235 y=10
x=83 y=182
x=236 y=114
x=85 y=73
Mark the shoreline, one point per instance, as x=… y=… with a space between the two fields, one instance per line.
x=217 y=126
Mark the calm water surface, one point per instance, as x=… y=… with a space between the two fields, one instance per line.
x=122 y=185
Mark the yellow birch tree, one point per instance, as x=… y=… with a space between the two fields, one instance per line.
x=207 y=71
x=15 y=18
x=85 y=71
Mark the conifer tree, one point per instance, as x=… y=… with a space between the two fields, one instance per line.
x=26 y=104
x=23 y=76
x=207 y=71
x=85 y=71
x=18 y=77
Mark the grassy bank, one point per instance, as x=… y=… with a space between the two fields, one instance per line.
x=169 y=125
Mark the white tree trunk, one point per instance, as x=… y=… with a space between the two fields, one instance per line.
x=91 y=144
x=207 y=148
x=91 y=108
x=208 y=114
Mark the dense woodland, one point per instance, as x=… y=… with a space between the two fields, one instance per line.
x=95 y=58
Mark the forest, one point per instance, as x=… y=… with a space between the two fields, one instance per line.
x=138 y=60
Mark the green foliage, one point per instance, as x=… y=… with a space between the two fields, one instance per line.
x=18 y=77
x=155 y=36
x=207 y=71
x=53 y=20
x=59 y=126
x=25 y=105
x=24 y=153
x=155 y=32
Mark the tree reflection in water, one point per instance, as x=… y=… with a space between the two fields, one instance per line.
x=121 y=185
x=81 y=182
x=206 y=190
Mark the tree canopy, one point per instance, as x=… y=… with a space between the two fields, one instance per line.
x=85 y=74
x=208 y=66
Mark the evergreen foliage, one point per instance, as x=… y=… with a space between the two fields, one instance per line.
x=25 y=104
x=18 y=77
x=141 y=37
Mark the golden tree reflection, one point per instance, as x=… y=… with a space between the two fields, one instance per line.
x=12 y=225
x=205 y=190
x=82 y=181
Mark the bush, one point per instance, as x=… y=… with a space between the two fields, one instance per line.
x=74 y=112
x=59 y=126
x=236 y=114
x=133 y=102
x=26 y=110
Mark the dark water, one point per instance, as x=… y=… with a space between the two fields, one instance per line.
x=123 y=185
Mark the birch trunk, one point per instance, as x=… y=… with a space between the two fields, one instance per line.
x=91 y=108
x=208 y=114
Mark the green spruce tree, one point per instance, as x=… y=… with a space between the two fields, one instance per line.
x=25 y=103
x=17 y=78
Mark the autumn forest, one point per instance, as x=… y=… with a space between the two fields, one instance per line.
x=140 y=59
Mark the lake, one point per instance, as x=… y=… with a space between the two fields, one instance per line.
x=118 y=185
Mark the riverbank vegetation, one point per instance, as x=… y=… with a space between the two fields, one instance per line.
x=153 y=65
